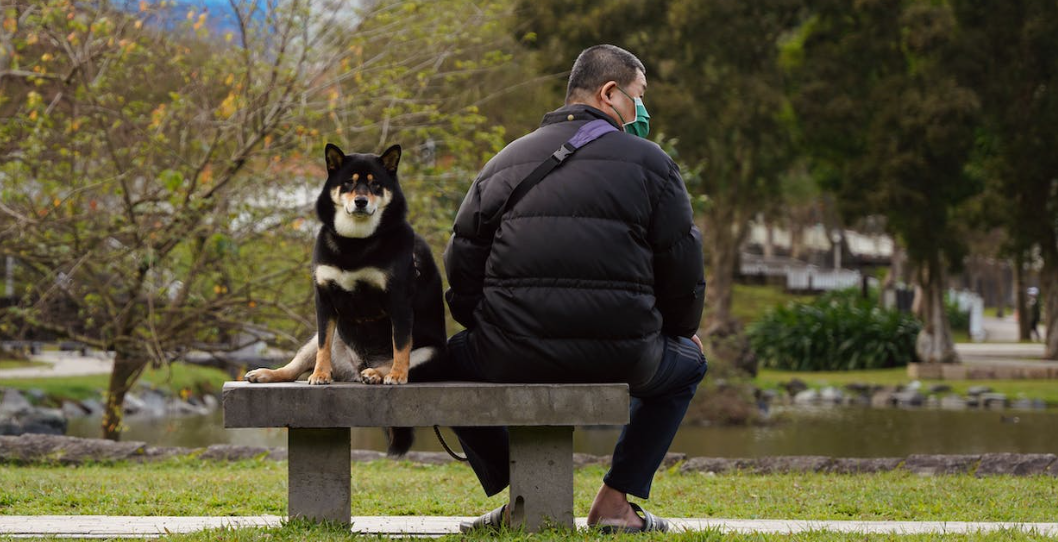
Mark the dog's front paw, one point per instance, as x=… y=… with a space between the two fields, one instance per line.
x=320 y=378
x=259 y=376
x=395 y=377
x=370 y=376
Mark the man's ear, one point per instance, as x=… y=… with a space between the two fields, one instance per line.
x=334 y=157
x=606 y=92
x=391 y=158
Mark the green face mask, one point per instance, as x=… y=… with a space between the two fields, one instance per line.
x=640 y=126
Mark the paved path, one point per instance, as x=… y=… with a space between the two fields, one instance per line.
x=140 y=526
x=62 y=364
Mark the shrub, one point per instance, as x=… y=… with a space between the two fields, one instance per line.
x=837 y=331
x=958 y=319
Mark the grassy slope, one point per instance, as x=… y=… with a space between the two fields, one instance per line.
x=191 y=487
x=21 y=364
x=176 y=376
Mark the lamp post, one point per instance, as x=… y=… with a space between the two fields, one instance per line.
x=835 y=236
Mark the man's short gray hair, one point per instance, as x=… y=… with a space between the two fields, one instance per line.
x=599 y=64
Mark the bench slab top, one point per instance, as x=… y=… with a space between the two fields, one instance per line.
x=353 y=404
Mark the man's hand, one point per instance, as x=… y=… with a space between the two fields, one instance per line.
x=698 y=342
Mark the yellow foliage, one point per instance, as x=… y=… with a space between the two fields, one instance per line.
x=11 y=25
x=157 y=116
x=227 y=107
x=144 y=5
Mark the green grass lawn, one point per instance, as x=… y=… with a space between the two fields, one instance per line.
x=176 y=376
x=1046 y=390
x=184 y=487
x=299 y=531
x=21 y=364
x=748 y=302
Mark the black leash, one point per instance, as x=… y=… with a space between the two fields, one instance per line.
x=437 y=431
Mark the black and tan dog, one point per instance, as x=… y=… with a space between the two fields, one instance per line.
x=379 y=310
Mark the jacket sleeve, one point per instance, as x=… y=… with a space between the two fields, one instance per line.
x=464 y=259
x=679 y=270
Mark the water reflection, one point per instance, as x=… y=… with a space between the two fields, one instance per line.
x=837 y=432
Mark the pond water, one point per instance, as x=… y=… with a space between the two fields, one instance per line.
x=836 y=432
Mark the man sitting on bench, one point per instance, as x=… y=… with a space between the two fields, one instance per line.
x=574 y=258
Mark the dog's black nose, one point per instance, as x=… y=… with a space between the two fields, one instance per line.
x=360 y=202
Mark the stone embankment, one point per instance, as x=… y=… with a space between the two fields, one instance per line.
x=54 y=449
x=911 y=395
x=33 y=412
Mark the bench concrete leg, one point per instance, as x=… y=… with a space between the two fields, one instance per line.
x=318 y=474
x=542 y=477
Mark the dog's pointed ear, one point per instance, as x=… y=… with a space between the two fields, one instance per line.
x=334 y=157
x=391 y=158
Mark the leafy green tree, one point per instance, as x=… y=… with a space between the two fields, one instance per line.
x=889 y=131
x=1010 y=58
x=155 y=168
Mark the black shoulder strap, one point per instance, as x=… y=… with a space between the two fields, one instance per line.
x=586 y=134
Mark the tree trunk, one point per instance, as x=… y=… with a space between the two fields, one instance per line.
x=769 y=239
x=797 y=240
x=723 y=255
x=934 y=343
x=1049 y=298
x=1021 y=308
x=127 y=369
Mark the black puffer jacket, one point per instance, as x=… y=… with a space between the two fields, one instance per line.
x=588 y=271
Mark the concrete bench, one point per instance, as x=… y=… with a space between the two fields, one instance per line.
x=540 y=417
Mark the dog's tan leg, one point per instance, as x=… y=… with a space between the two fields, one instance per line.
x=398 y=374
x=322 y=373
x=301 y=364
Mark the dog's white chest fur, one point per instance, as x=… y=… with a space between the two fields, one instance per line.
x=347 y=280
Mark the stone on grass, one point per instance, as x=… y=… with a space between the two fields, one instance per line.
x=831 y=394
x=230 y=452
x=910 y=398
x=953 y=402
x=714 y=465
x=978 y=390
x=14 y=402
x=795 y=386
x=429 y=458
x=929 y=465
x=1015 y=464
x=993 y=400
x=791 y=464
x=863 y=465
x=31 y=448
x=73 y=409
x=806 y=397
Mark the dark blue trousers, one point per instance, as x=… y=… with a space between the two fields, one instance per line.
x=657 y=408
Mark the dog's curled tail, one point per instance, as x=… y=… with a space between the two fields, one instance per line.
x=400 y=440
